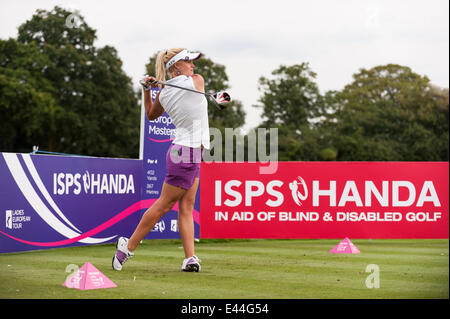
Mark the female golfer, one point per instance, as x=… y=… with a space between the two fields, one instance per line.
x=189 y=113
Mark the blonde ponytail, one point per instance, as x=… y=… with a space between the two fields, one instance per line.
x=162 y=58
x=160 y=66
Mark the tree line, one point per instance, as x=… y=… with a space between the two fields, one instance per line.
x=61 y=92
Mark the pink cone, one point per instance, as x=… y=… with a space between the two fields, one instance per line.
x=345 y=247
x=88 y=277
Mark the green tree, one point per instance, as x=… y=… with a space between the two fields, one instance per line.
x=441 y=96
x=29 y=111
x=291 y=102
x=94 y=107
x=291 y=97
x=389 y=114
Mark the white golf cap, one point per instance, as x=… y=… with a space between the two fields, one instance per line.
x=183 y=55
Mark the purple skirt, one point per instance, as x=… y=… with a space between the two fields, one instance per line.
x=182 y=165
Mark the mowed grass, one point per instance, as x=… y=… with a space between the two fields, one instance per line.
x=272 y=269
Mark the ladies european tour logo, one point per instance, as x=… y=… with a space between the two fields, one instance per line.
x=8 y=219
x=14 y=219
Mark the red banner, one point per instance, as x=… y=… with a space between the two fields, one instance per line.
x=325 y=200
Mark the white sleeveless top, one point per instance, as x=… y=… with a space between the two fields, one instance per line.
x=189 y=112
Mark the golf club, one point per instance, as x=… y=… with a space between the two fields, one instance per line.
x=220 y=99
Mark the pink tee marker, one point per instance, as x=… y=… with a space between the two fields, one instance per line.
x=345 y=247
x=88 y=277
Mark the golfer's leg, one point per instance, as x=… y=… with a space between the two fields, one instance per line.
x=169 y=196
x=186 y=220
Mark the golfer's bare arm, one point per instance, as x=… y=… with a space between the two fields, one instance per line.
x=199 y=82
x=152 y=109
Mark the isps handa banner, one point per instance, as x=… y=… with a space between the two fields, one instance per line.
x=325 y=200
x=62 y=201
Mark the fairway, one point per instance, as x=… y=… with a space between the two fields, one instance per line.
x=273 y=269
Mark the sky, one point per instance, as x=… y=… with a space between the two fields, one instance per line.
x=252 y=38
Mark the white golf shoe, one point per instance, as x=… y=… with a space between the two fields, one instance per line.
x=191 y=264
x=122 y=253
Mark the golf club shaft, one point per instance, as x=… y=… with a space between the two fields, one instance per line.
x=180 y=87
x=190 y=90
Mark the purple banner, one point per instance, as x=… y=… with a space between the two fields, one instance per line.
x=60 y=201
x=156 y=138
